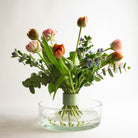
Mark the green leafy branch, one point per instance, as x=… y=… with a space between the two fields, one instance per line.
x=28 y=59
x=46 y=78
x=111 y=71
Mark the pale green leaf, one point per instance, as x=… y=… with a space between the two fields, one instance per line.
x=110 y=72
x=120 y=69
x=97 y=78
x=104 y=71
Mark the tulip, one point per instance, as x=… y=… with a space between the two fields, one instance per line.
x=116 y=45
x=32 y=34
x=49 y=34
x=58 y=50
x=33 y=47
x=116 y=56
x=82 y=21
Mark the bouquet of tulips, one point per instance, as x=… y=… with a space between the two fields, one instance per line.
x=81 y=68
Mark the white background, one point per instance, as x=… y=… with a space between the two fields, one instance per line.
x=108 y=20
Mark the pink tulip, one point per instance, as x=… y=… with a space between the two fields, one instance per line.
x=116 y=45
x=49 y=34
x=33 y=46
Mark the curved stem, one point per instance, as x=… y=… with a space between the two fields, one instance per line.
x=51 y=42
x=71 y=82
x=40 y=43
x=77 y=44
x=107 y=49
x=44 y=61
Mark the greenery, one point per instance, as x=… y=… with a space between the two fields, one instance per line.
x=82 y=75
x=87 y=70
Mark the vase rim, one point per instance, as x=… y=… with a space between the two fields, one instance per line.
x=98 y=104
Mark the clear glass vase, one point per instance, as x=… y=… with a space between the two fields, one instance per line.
x=58 y=117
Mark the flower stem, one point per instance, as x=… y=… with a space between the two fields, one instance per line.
x=44 y=61
x=78 y=38
x=77 y=45
x=51 y=42
x=107 y=49
x=71 y=82
x=41 y=43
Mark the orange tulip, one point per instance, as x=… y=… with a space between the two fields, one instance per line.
x=116 y=56
x=58 y=50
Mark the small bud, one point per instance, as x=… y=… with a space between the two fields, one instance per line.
x=81 y=39
x=58 y=50
x=33 y=46
x=116 y=45
x=36 y=63
x=14 y=54
x=33 y=34
x=116 y=56
x=24 y=56
x=100 y=50
x=82 y=21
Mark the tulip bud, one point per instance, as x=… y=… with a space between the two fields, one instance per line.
x=33 y=34
x=116 y=56
x=116 y=45
x=49 y=34
x=82 y=21
x=58 y=50
x=33 y=46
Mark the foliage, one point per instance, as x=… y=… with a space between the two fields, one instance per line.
x=81 y=68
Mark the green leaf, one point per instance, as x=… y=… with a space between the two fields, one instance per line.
x=97 y=78
x=128 y=67
x=49 y=52
x=27 y=83
x=104 y=72
x=87 y=84
x=32 y=90
x=51 y=88
x=61 y=79
x=110 y=72
x=20 y=52
x=100 y=76
x=45 y=57
x=120 y=69
x=59 y=82
x=62 y=68
x=114 y=67
x=124 y=65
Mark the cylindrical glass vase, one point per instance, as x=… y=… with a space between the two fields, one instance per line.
x=85 y=115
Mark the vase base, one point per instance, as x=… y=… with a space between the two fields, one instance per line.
x=59 y=128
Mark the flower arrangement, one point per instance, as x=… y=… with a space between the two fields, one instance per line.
x=81 y=68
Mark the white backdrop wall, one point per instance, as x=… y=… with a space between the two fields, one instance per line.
x=107 y=20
